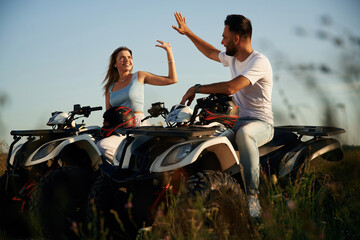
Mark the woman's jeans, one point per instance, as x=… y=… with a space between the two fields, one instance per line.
x=251 y=133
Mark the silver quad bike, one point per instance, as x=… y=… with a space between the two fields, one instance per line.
x=57 y=164
x=154 y=160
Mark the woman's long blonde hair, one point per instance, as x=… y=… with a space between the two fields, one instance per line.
x=112 y=74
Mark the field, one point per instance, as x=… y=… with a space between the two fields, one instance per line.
x=2 y=163
x=323 y=204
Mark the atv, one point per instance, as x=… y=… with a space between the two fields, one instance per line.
x=151 y=161
x=68 y=149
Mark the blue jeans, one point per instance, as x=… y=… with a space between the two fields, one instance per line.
x=251 y=133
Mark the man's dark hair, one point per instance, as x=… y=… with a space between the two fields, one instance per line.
x=239 y=25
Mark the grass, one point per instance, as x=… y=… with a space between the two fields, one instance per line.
x=192 y=220
x=322 y=204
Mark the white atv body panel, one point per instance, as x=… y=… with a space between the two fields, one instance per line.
x=53 y=148
x=13 y=154
x=219 y=145
x=290 y=159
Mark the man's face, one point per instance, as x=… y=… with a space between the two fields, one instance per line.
x=228 y=41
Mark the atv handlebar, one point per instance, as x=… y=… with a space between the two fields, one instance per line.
x=156 y=110
x=78 y=110
x=207 y=102
x=211 y=99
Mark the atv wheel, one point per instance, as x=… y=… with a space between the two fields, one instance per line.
x=106 y=211
x=12 y=218
x=3 y=201
x=59 y=200
x=222 y=199
x=212 y=185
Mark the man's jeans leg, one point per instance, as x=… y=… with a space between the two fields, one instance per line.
x=252 y=134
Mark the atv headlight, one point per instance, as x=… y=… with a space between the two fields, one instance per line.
x=178 y=153
x=45 y=150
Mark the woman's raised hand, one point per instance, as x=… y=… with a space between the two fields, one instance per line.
x=164 y=45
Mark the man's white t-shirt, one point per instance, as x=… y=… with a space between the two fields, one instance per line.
x=255 y=99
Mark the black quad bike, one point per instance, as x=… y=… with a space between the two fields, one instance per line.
x=150 y=161
x=66 y=154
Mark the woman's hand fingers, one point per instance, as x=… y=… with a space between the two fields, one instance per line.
x=164 y=45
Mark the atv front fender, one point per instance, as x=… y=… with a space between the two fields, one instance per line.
x=52 y=149
x=172 y=160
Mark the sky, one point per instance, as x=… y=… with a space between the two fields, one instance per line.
x=54 y=54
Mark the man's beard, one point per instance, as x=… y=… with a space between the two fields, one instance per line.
x=230 y=49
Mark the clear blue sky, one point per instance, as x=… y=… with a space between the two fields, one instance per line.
x=54 y=54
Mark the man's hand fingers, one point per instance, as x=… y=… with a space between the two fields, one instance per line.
x=179 y=18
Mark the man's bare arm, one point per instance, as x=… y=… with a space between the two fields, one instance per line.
x=228 y=88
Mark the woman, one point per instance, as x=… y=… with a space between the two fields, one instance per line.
x=124 y=88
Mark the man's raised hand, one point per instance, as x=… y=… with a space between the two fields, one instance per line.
x=182 y=28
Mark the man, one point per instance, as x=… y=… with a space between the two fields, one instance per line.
x=251 y=87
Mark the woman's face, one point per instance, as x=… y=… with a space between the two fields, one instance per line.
x=124 y=61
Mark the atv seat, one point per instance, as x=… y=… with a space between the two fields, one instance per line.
x=280 y=139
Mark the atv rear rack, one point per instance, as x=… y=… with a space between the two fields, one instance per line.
x=316 y=131
x=157 y=131
x=42 y=132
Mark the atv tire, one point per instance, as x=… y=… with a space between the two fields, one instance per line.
x=106 y=211
x=59 y=200
x=210 y=185
x=12 y=218
x=222 y=198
